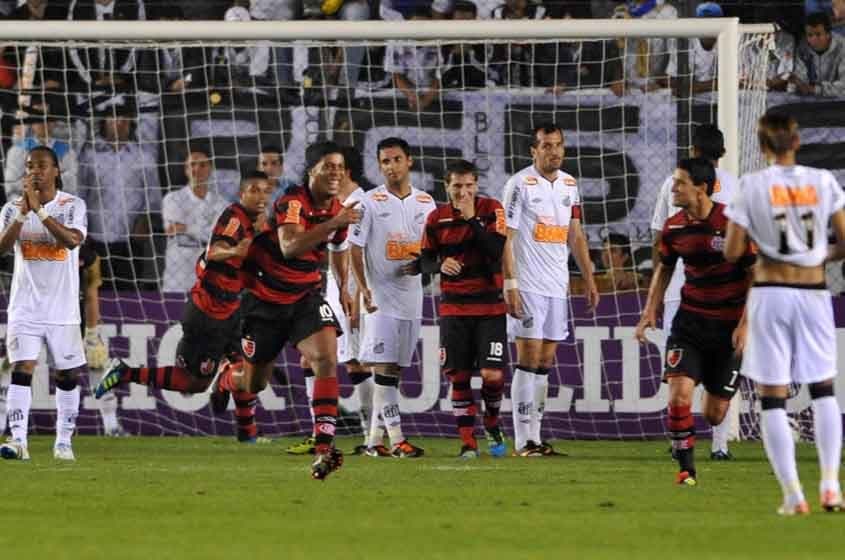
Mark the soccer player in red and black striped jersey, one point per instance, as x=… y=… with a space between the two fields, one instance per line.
x=211 y=319
x=463 y=241
x=284 y=303
x=702 y=343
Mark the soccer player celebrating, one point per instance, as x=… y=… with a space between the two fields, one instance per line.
x=700 y=348
x=708 y=143
x=385 y=246
x=463 y=241
x=543 y=217
x=284 y=302
x=785 y=210
x=45 y=227
x=211 y=318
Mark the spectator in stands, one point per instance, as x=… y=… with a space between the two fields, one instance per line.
x=465 y=64
x=189 y=215
x=443 y=9
x=839 y=17
x=241 y=66
x=415 y=69
x=170 y=68
x=119 y=182
x=39 y=125
x=817 y=6
x=516 y=63
x=40 y=10
x=37 y=66
x=271 y=162
x=102 y=68
x=618 y=271
x=652 y=55
x=702 y=57
x=820 y=60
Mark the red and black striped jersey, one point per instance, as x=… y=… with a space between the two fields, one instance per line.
x=219 y=283
x=714 y=287
x=278 y=279
x=477 y=244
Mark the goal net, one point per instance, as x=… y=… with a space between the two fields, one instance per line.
x=133 y=122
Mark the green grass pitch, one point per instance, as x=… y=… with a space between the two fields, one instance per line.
x=161 y=498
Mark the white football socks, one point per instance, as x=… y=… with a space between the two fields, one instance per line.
x=720 y=435
x=541 y=393
x=67 y=409
x=309 y=391
x=386 y=402
x=827 y=420
x=107 y=403
x=365 y=396
x=780 y=448
x=4 y=389
x=19 y=401
x=522 y=398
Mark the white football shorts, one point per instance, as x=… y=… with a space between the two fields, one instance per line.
x=545 y=318
x=791 y=336
x=64 y=344
x=388 y=340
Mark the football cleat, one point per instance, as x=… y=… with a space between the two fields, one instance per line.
x=14 y=449
x=721 y=456
x=111 y=379
x=468 y=453
x=360 y=450
x=531 y=449
x=801 y=508
x=546 y=450
x=117 y=432
x=406 y=449
x=63 y=452
x=685 y=478
x=496 y=442
x=377 y=451
x=257 y=440
x=832 y=501
x=326 y=463
x=305 y=447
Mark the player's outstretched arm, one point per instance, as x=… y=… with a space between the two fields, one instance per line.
x=656 y=291
x=578 y=246
x=294 y=240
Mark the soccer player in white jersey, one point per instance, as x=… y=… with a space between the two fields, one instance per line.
x=45 y=227
x=543 y=217
x=785 y=210
x=708 y=143
x=385 y=246
x=348 y=343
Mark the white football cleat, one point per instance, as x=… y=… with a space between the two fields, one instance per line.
x=63 y=452
x=14 y=449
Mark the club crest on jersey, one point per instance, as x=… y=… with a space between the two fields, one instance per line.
x=207 y=367
x=442 y=356
x=567 y=201
x=717 y=243
x=530 y=180
x=674 y=356
x=248 y=346
x=569 y=182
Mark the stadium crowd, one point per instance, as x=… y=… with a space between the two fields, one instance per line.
x=104 y=110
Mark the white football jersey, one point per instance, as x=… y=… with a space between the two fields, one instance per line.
x=723 y=191
x=331 y=283
x=786 y=211
x=541 y=213
x=391 y=231
x=45 y=282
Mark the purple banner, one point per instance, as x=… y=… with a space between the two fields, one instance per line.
x=605 y=385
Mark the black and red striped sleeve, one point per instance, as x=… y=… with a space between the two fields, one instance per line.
x=430 y=248
x=668 y=255
x=229 y=228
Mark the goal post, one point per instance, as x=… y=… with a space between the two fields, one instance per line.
x=619 y=146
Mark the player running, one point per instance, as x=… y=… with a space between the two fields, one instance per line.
x=701 y=345
x=45 y=226
x=284 y=302
x=211 y=318
x=708 y=143
x=785 y=210
x=385 y=246
x=543 y=216
x=463 y=241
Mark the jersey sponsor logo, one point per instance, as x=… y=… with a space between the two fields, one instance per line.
x=781 y=196
x=248 y=346
x=569 y=182
x=549 y=233
x=529 y=180
x=674 y=356
x=293 y=213
x=39 y=251
x=233 y=225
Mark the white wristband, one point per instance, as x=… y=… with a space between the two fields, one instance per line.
x=511 y=284
x=21 y=217
x=42 y=214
